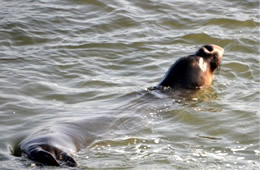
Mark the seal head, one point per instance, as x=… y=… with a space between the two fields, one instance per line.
x=194 y=71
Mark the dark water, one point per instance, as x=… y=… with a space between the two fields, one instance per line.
x=64 y=62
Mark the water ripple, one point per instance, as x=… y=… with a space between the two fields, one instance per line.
x=68 y=60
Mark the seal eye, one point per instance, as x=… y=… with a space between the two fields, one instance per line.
x=209 y=48
x=205 y=51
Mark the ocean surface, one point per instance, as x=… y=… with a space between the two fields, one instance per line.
x=66 y=62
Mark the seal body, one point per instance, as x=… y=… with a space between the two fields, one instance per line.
x=194 y=71
x=50 y=149
x=53 y=145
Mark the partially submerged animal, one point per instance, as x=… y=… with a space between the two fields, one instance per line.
x=52 y=147
x=194 y=71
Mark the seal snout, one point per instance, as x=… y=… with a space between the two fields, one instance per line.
x=210 y=50
x=214 y=54
x=216 y=49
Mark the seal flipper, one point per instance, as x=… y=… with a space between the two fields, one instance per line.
x=66 y=159
x=37 y=154
x=50 y=156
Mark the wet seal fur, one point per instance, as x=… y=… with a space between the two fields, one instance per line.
x=193 y=71
x=52 y=147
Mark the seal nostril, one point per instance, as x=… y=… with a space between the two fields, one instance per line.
x=209 y=47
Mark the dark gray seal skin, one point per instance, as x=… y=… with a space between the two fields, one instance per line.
x=193 y=71
x=53 y=145
x=45 y=150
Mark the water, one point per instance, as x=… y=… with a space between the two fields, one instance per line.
x=63 y=62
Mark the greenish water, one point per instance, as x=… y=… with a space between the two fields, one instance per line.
x=73 y=61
